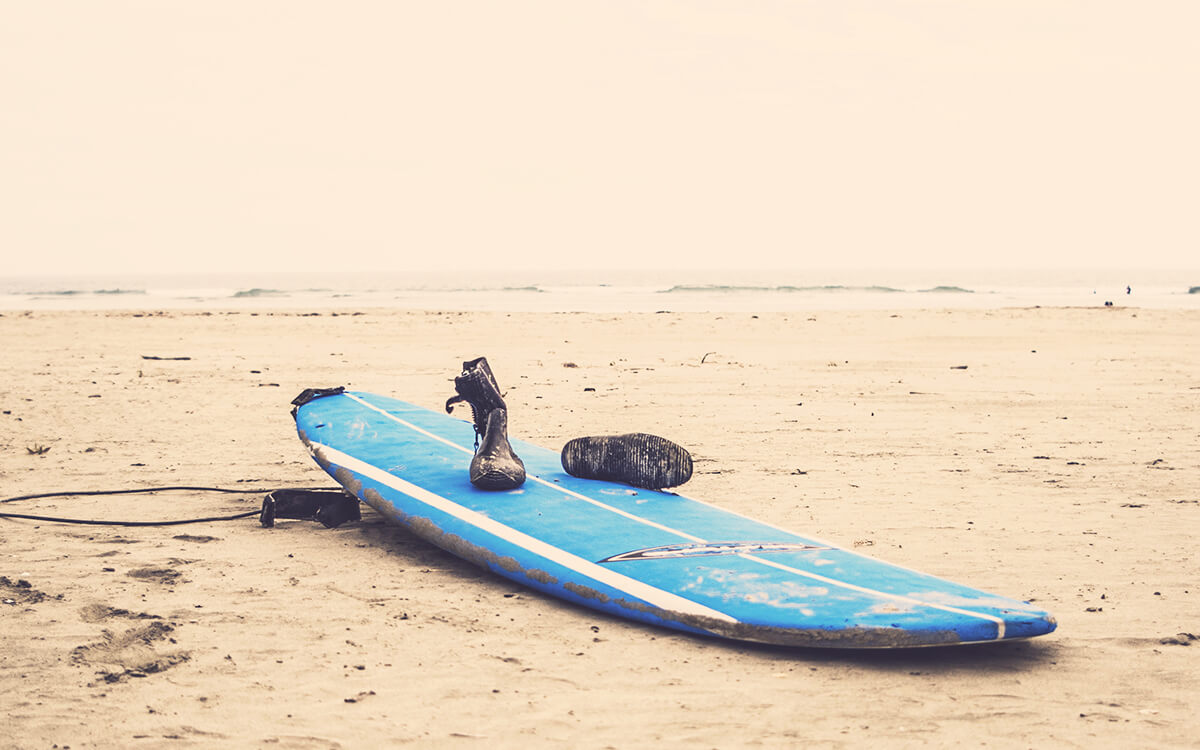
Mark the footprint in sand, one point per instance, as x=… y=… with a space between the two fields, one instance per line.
x=131 y=653
x=21 y=592
x=165 y=576
x=102 y=612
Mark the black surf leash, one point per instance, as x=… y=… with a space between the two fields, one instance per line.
x=331 y=507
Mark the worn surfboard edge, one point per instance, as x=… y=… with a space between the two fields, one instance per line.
x=610 y=592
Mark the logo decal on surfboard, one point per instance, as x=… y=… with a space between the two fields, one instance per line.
x=707 y=549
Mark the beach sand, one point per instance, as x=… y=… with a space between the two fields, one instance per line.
x=1050 y=455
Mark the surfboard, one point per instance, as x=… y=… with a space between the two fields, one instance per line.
x=655 y=557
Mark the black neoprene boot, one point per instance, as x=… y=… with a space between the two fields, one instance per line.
x=639 y=459
x=495 y=465
x=477 y=387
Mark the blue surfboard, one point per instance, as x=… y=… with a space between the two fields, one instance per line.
x=654 y=557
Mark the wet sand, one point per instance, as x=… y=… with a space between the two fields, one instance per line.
x=1050 y=455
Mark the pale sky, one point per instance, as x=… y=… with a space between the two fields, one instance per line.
x=164 y=136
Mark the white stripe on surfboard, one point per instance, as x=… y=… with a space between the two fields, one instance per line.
x=895 y=597
x=999 y=622
x=655 y=596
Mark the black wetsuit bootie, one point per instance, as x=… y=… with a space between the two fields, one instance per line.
x=495 y=465
x=477 y=387
x=639 y=459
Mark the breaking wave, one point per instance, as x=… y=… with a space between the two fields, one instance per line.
x=709 y=288
x=947 y=289
x=76 y=292
x=256 y=292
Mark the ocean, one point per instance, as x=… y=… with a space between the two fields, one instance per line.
x=608 y=291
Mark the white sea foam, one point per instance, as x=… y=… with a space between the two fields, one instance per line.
x=608 y=291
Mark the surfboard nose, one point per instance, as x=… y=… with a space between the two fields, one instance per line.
x=1030 y=626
